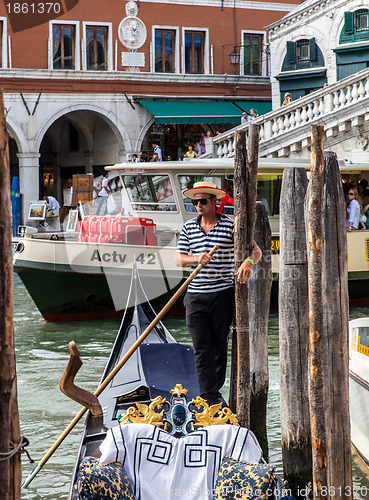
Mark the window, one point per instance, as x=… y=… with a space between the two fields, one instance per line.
x=356 y=27
x=361 y=20
x=64 y=39
x=150 y=192
x=97 y=47
x=194 y=51
x=252 y=54
x=164 y=51
x=302 y=50
x=302 y=54
x=1 y=44
x=221 y=181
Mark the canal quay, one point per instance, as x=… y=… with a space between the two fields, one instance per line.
x=41 y=356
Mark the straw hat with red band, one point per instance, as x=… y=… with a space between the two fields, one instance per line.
x=204 y=187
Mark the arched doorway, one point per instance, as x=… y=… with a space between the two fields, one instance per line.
x=79 y=142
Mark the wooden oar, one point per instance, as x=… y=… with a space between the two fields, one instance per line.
x=112 y=374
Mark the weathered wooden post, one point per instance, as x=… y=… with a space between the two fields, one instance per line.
x=294 y=332
x=241 y=291
x=10 y=468
x=245 y=177
x=335 y=310
x=260 y=284
x=318 y=408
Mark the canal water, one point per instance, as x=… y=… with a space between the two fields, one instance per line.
x=42 y=354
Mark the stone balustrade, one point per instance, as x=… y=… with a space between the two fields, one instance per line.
x=285 y=131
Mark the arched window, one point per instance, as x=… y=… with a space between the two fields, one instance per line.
x=302 y=50
x=361 y=20
x=356 y=26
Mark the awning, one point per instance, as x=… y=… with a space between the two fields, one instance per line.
x=202 y=111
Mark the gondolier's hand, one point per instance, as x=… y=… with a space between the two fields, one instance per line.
x=244 y=272
x=205 y=258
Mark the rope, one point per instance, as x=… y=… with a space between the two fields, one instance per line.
x=16 y=448
x=240 y=329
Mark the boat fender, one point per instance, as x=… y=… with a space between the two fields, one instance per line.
x=117 y=239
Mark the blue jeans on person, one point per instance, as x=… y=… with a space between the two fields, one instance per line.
x=100 y=204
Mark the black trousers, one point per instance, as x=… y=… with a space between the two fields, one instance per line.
x=208 y=318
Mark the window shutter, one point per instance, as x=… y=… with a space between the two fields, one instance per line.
x=312 y=49
x=291 y=52
x=349 y=22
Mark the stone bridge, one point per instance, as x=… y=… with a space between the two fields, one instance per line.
x=342 y=108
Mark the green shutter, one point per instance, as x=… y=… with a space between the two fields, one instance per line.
x=312 y=49
x=349 y=22
x=291 y=52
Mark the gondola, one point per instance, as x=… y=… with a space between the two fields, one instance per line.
x=153 y=370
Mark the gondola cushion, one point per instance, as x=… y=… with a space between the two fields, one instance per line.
x=105 y=482
x=161 y=467
x=240 y=480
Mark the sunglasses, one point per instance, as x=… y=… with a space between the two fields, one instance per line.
x=203 y=201
x=351 y=194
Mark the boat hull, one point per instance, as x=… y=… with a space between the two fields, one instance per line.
x=359 y=413
x=70 y=296
x=70 y=280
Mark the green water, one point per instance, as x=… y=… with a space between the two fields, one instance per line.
x=42 y=354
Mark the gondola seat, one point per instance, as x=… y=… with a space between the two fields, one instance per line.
x=98 y=482
x=160 y=466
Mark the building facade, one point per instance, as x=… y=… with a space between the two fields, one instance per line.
x=89 y=83
x=321 y=41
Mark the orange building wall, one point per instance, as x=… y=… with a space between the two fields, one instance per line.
x=29 y=46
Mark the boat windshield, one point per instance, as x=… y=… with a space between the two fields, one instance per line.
x=269 y=188
x=361 y=339
x=150 y=192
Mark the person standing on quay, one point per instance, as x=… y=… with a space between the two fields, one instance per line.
x=353 y=210
x=157 y=151
x=209 y=300
x=103 y=195
x=190 y=153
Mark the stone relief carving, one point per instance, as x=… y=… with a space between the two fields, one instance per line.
x=132 y=31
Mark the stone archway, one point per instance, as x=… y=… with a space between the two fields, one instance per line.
x=77 y=142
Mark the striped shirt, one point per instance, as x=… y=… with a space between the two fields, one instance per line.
x=218 y=275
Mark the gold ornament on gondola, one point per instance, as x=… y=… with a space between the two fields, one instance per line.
x=213 y=415
x=149 y=414
x=178 y=390
x=144 y=414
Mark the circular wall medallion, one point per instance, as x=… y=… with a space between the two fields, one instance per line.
x=132 y=32
x=131 y=8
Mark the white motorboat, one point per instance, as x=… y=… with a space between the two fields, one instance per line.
x=359 y=386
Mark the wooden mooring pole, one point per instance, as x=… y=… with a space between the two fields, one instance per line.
x=10 y=466
x=260 y=284
x=328 y=314
x=335 y=312
x=316 y=332
x=294 y=333
x=245 y=178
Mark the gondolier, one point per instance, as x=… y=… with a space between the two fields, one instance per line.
x=210 y=297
